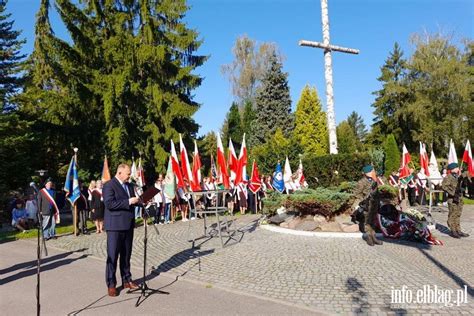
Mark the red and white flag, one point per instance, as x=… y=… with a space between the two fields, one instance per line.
x=140 y=174
x=105 y=171
x=242 y=169
x=467 y=158
x=222 y=163
x=185 y=166
x=196 y=183
x=233 y=161
x=406 y=158
x=255 y=183
x=175 y=166
x=424 y=161
x=300 y=175
x=452 y=156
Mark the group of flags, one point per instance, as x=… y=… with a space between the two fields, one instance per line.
x=286 y=180
x=430 y=166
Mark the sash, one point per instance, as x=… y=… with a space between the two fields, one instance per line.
x=51 y=201
x=99 y=192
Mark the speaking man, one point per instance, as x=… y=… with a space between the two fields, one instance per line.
x=119 y=219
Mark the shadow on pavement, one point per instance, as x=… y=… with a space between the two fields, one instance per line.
x=91 y=305
x=30 y=272
x=459 y=281
x=360 y=297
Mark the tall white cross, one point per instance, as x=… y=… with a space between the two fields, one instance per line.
x=328 y=72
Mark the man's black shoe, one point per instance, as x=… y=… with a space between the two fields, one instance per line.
x=461 y=234
x=454 y=235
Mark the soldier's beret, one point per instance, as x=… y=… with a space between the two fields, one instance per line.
x=367 y=169
x=452 y=166
x=49 y=180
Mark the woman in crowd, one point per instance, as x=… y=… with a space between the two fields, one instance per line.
x=230 y=197
x=242 y=195
x=32 y=209
x=19 y=216
x=183 y=204
x=97 y=207
x=91 y=188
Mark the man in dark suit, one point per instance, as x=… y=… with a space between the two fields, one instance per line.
x=119 y=219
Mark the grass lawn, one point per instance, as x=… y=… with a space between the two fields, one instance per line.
x=468 y=202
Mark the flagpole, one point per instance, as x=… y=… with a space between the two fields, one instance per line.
x=74 y=217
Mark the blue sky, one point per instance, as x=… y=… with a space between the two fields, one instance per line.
x=372 y=26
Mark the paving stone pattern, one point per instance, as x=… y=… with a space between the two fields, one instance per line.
x=332 y=275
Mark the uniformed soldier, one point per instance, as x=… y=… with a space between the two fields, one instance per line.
x=367 y=203
x=452 y=186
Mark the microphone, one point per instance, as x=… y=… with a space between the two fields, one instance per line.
x=33 y=185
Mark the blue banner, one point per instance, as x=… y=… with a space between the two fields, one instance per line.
x=278 y=182
x=71 y=185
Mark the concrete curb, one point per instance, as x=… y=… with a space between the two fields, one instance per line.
x=288 y=231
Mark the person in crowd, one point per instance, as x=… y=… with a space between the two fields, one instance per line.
x=183 y=199
x=49 y=209
x=242 y=196
x=268 y=183
x=32 y=209
x=411 y=189
x=98 y=207
x=82 y=206
x=230 y=197
x=421 y=185
x=452 y=186
x=167 y=208
x=92 y=186
x=367 y=203
x=158 y=200
x=20 y=216
x=444 y=174
x=209 y=197
x=119 y=201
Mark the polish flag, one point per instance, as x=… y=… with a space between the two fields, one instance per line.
x=467 y=158
x=424 y=161
x=221 y=162
x=406 y=158
x=300 y=175
x=452 y=156
x=242 y=170
x=175 y=166
x=233 y=161
x=196 y=183
x=185 y=166
x=140 y=174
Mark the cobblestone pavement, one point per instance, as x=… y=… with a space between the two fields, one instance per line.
x=333 y=275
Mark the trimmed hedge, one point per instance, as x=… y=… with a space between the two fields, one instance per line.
x=326 y=202
x=348 y=167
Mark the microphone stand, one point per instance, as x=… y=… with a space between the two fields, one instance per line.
x=145 y=290
x=40 y=242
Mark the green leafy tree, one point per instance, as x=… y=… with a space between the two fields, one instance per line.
x=347 y=140
x=233 y=126
x=207 y=147
x=273 y=102
x=310 y=123
x=392 y=155
x=11 y=60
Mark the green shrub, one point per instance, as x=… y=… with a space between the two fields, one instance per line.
x=320 y=201
x=348 y=167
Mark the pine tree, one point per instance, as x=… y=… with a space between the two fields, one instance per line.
x=273 y=104
x=347 y=140
x=392 y=155
x=392 y=99
x=10 y=60
x=358 y=126
x=248 y=118
x=233 y=126
x=310 y=123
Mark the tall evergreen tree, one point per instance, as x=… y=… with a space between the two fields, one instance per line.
x=358 y=126
x=10 y=59
x=248 y=118
x=233 y=126
x=391 y=100
x=311 y=123
x=347 y=140
x=273 y=104
x=392 y=155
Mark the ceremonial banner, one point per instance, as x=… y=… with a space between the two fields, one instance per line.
x=233 y=161
x=140 y=174
x=213 y=170
x=170 y=181
x=301 y=179
x=185 y=166
x=287 y=174
x=105 y=171
x=71 y=184
x=133 y=171
x=406 y=158
x=467 y=159
x=175 y=166
x=196 y=183
x=255 y=183
x=242 y=169
x=434 y=170
x=222 y=163
x=452 y=156
x=424 y=162
x=278 y=182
